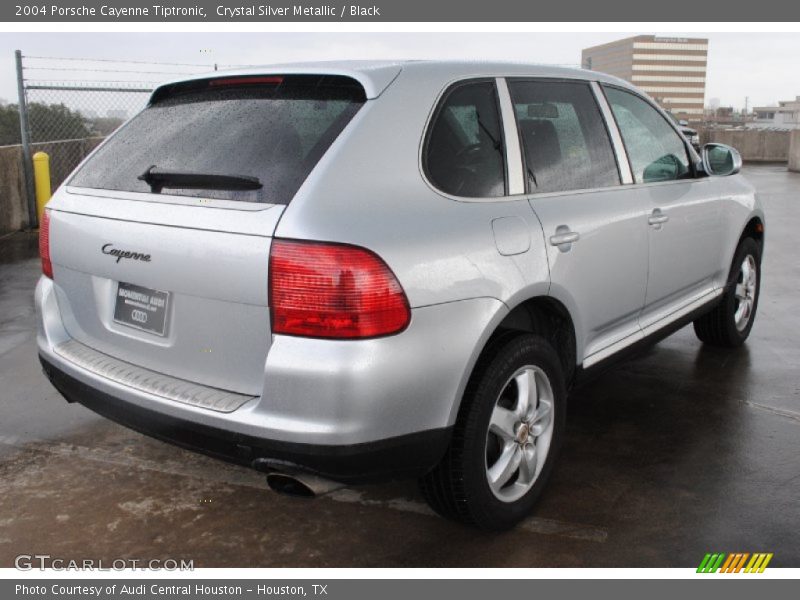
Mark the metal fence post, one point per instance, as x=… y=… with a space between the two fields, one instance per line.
x=27 y=166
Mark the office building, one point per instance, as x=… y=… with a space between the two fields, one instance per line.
x=671 y=70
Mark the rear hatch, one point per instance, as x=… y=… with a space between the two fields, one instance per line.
x=160 y=241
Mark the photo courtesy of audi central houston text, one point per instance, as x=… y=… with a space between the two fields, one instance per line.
x=498 y=210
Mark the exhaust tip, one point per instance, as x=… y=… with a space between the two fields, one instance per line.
x=289 y=486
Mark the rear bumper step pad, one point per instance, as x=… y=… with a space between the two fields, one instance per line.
x=150 y=382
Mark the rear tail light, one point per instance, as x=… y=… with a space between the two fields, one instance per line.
x=333 y=291
x=44 y=244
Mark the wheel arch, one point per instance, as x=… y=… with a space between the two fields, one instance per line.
x=542 y=314
x=754 y=228
x=549 y=317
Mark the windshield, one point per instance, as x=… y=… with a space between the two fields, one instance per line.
x=272 y=129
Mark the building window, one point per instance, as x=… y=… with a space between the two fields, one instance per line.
x=668 y=46
x=672 y=57
x=669 y=78
x=681 y=68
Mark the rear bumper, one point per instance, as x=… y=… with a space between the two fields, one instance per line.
x=406 y=455
x=350 y=411
x=320 y=392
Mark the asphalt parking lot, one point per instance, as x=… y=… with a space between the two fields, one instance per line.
x=684 y=450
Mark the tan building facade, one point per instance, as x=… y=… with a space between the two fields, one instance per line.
x=671 y=70
x=784 y=116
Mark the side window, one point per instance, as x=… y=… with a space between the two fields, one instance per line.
x=464 y=154
x=655 y=150
x=563 y=136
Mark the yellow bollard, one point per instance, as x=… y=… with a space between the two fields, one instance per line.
x=41 y=178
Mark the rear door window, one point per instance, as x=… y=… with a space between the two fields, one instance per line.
x=273 y=129
x=656 y=151
x=464 y=154
x=563 y=136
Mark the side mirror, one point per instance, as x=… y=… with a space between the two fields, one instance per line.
x=721 y=160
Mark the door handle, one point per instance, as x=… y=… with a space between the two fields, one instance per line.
x=657 y=218
x=564 y=238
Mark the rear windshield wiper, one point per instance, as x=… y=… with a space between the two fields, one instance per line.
x=158 y=179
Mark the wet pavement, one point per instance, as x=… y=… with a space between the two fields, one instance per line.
x=684 y=450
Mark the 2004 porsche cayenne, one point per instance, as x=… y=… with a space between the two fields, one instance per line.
x=370 y=270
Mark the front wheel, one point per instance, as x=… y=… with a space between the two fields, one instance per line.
x=730 y=322
x=506 y=437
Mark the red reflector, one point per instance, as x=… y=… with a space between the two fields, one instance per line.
x=44 y=244
x=272 y=79
x=333 y=291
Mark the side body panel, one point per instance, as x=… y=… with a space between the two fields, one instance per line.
x=686 y=250
x=602 y=277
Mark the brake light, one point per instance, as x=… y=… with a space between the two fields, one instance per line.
x=44 y=244
x=260 y=80
x=333 y=291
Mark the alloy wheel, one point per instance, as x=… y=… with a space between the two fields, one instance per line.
x=519 y=434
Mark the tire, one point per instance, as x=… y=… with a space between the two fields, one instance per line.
x=458 y=487
x=728 y=325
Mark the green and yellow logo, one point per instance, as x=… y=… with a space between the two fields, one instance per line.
x=735 y=563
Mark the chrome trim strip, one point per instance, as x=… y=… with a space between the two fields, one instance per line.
x=650 y=329
x=595 y=358
x=516 y=178
x=613 y=130
x=681 y=312
x=150 y=382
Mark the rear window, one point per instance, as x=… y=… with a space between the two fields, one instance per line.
x=273 y=129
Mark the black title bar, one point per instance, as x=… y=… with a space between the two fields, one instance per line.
x=384 y=11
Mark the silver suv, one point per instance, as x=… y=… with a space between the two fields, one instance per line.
x=370 y=270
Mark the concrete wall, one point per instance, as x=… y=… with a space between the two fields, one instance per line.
x=794 y=151
x=64 y=157
x=13 y=209
x=753 y=144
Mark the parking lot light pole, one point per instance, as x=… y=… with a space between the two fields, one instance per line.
x=27 y=167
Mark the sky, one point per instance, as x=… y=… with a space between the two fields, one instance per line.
x=762 y=67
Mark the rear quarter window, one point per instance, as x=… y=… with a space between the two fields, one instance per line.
x=272 y=128
x=464 y=153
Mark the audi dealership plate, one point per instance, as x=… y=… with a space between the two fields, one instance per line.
x=141 y=308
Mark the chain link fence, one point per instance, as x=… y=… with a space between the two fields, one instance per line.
x=68 y=120
x=69 y=105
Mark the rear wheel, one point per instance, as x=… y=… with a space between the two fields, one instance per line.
x=506 y=437
x=730 y=322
